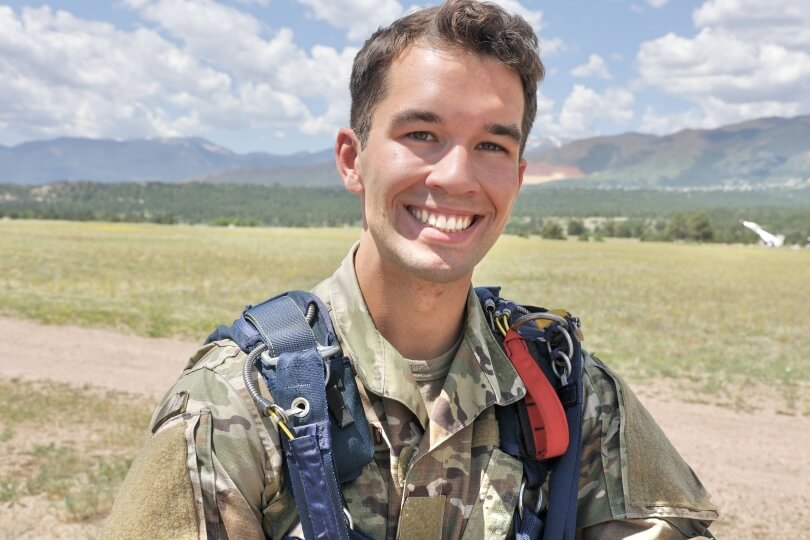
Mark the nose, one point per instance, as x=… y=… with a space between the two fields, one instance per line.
x=454 y=172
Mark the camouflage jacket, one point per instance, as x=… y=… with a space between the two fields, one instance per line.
x=213 y=468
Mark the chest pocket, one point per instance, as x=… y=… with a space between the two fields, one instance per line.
x=492 y=513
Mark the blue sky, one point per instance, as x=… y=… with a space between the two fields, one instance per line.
x=272 y=75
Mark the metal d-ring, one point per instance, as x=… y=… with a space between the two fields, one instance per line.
x=563 y=328
x=349 y=520
x=540 y=501
x=566 y=365
x=539 y=315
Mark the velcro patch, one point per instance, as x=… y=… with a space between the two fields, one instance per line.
x=422 y=518
x=156 y=498
x=658 y=479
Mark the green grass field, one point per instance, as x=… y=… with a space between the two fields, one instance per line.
x=726 y=324
x=718 y=315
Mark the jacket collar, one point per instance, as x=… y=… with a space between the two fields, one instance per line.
x=481 y=375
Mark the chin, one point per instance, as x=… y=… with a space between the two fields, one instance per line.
x=436 y=269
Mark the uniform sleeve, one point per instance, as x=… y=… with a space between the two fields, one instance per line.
x=211 y=467
x=647 y=529
x=633 y=483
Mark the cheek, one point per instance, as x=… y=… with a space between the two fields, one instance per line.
x=397 y=171
x=501 y=185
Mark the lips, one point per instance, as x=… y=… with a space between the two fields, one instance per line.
x=444 y=222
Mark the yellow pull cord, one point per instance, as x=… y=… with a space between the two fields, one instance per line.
x=280 y=423
x=502 y=323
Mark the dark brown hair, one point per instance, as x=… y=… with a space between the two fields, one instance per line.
x=480 y=28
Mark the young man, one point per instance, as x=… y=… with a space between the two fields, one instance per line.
x=442 y=104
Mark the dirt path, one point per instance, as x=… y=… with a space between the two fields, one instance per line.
x=756 y=464
x=82 y=356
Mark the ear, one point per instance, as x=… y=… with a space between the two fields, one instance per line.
x=347 y=159
x=521 y=171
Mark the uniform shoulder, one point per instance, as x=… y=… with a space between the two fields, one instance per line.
x=207 y=441
x=202 y=382
x=630 y=469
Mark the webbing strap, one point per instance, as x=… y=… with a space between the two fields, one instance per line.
x=529 y=526
x=314 y=483
x=299 y=373
x=282 y=325
x=564 y=482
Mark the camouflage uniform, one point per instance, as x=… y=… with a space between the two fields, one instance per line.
x=213 y=467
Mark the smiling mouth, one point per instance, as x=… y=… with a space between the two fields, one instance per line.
x=443 y=222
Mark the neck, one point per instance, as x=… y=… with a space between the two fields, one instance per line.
x=421 y=319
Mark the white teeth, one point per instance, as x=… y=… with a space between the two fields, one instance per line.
x=442 y=222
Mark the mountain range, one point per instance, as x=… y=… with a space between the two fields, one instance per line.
x=766 y=151
x=161 y=160
x=763 y=152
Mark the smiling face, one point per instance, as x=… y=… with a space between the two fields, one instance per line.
x=441 y=167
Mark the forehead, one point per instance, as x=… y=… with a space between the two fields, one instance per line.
x=451 y=80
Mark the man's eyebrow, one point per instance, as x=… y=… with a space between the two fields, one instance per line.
x=415 y=115
x=511 y=131
x=506 y=130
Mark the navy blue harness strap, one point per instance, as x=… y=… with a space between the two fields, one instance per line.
x=561 y=513
x=299 y=373
x=529 y=526
x=282 y=326
x=315 y=488
x=563 y=487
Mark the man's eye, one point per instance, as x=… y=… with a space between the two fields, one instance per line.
x=420 y=136
x=491 y=147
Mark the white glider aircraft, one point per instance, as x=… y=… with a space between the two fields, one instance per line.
x=768 y=239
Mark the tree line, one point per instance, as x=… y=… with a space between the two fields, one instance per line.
x=550 y=212
x=718 y=227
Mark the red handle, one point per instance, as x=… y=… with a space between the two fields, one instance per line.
x=546 y=413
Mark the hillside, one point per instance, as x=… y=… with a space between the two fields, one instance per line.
x=167 y=160
x=767 y=151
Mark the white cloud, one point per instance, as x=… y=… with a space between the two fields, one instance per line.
x=358 y=17
x=657 y=3
x=582 y=113
x=718 y=63
x=185 y=67
x=195 y=66
x=784 y=22
x=66 y=75
x=749 y=58
x=594 y=67
x=584 y=107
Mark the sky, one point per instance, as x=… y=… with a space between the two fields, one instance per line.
x=272 y=75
